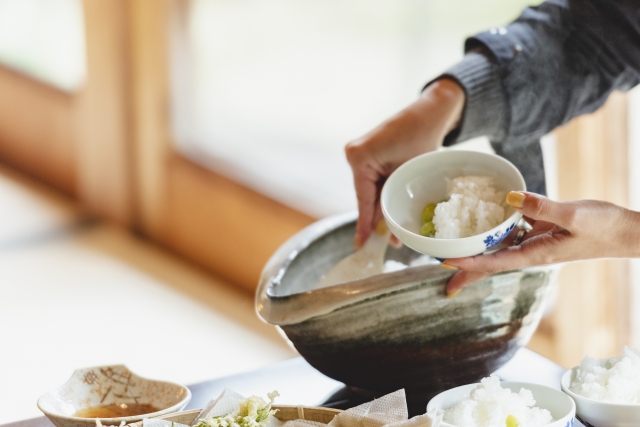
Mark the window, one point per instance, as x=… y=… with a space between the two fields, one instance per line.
x=44 y=39
x=279 y=87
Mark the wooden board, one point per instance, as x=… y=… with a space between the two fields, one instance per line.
x=285 y=413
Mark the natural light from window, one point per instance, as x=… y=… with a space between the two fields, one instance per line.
x=44 y=39
x=276 y=88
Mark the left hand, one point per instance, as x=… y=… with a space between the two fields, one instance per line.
x=562 y=231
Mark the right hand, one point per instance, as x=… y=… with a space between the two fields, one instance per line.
x=418 y=129
x=562 y=232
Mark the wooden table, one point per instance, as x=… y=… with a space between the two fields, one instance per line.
x=300 y=384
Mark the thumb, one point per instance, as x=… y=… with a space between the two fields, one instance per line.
x=541 y=208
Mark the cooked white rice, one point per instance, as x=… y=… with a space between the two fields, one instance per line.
x=474 y=206
x=489 y=405
x=617 y=382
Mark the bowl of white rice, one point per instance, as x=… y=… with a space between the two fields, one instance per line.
x=493 y=403
x=466 y=191
x=606 y=391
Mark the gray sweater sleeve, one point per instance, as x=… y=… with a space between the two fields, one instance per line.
x=555 y=62
x=485 y=112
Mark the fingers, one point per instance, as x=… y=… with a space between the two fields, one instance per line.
x=506 y=259
x=364 y=226
x=462 y=279
x=365 y=180
x=511 y=236
x=544 y=249
x=395 y=242
x=481 y=266
x=541 y=208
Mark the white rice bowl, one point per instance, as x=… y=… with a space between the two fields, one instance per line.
x=474 y=206
x=489 y=405
x=615 y=381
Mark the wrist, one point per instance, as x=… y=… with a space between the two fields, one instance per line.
x=631 y=234
x=450 y=96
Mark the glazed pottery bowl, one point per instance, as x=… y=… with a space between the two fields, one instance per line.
x=106 y=385
x=600 y=414
x=422 y=180
x=561 y=407
x=396 y=330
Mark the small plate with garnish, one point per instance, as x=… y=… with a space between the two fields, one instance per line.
x=112 y=394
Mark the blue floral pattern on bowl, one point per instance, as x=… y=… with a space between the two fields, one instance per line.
x=570 y=423
x=493 y=239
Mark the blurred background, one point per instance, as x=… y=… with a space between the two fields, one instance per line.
x=155 y=153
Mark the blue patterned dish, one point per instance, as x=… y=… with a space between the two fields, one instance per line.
x=422 y=180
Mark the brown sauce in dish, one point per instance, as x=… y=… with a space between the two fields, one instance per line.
x=116 y=410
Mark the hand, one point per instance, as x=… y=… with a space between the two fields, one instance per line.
x=419 y=128
x=562 y=231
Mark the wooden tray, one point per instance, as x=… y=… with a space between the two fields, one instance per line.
x=285 y=413
x=310 y=413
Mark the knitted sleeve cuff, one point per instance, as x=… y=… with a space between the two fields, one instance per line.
x=485 y=111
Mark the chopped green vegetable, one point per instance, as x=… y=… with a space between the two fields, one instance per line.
x=428 y=212
x=251 y=412
x=428 y=229
x=512 y=421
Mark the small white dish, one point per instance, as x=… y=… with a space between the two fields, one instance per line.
x=562 y=408
x=422 y=180
x=106 y=385
x=601 y=414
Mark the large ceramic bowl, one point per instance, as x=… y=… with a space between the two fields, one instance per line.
x=107 y=385
x=422 y=180
x=396 y=330
x=600 y=414
x=561 y=407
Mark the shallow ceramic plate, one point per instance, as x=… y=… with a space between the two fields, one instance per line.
x=106 y=385
x=601 y=414
x=562 y=408
x=422 y=180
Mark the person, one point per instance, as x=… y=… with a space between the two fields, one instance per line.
x=515 y=84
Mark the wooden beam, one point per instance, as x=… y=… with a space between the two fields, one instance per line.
x=224 y=226
x=37 y=123
x=220 y=224
x=151 y=108
x=105 y=178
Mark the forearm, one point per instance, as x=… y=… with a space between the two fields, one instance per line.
x=420 y=127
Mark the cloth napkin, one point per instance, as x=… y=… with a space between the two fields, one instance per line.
x=388 y=411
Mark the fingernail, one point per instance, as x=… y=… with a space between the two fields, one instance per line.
x=395 y=242
x=381 y=228
x=448 y=267
x=454 y=293
x=357 y=242
x=515 y=199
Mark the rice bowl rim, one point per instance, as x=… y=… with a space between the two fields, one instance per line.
x=507 y=384
x=514 y=217
x=565 y=382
